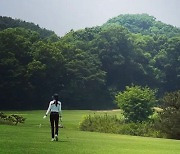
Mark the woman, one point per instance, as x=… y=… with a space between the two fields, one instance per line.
x=54 y=109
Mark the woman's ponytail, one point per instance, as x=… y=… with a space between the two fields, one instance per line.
x=56 y=99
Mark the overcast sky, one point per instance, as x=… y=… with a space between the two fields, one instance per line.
x=63 y=15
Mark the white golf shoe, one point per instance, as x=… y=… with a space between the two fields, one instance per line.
x=56 y=137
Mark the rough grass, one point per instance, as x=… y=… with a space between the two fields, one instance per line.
x=30 y=138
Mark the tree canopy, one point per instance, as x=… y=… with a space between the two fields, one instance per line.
x=86 y=67
x=137 y=103
x=144 y=24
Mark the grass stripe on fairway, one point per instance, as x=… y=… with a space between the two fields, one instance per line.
x=29 y=138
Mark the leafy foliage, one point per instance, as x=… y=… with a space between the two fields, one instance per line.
x=86 y=67
x=11 y=119
x=170 y=116
x=136 y=103
x=112 y=124
x=7 y=22
x=144 y=24
x=100 y=123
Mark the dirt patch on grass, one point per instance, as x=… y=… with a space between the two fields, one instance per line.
x=115 y=110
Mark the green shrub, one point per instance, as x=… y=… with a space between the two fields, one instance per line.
x=112 y=124
x=169 y=121
x=17 y=119
x=146 y=129
x=2 y=115
x=12 y=119
x=100 y=123
x=136 y=102
x=6 y=122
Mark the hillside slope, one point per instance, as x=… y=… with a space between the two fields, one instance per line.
x=8 y=22
x=144 y=24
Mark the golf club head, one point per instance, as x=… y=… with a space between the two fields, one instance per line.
x=60 y=126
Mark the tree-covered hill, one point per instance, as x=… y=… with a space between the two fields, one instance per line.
x=144 y=24
x=8 y=22
x=86 y=67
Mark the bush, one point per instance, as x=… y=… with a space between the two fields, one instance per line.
x=146 y=129
x=169 y=121
x=136 y=102
x=6 y=122
x=112 y=124
x=12 y=119
x=17 y=119
x=100 y=123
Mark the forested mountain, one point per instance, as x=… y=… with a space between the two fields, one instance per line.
x=87 y=67
x=7 y=22
x=144 y=24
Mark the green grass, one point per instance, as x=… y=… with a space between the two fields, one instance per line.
x=29 y=138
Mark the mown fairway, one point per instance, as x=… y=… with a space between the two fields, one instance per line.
x=30 y=138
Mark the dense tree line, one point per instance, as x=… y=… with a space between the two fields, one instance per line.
x=8 y=22
x=144 y=24
x=86 y=67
